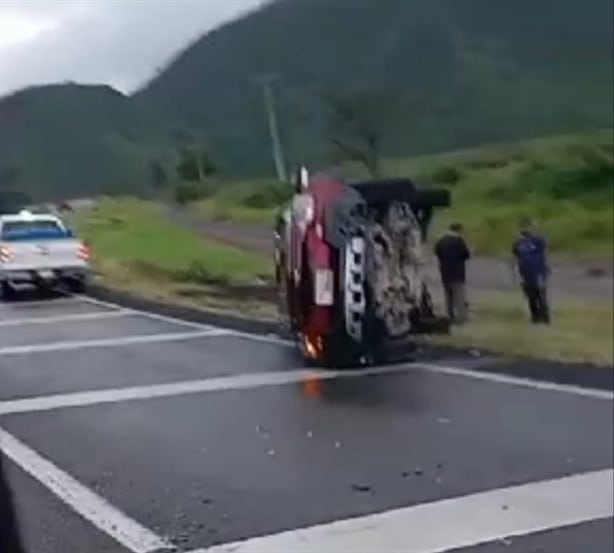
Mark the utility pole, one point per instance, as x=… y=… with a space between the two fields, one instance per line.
x=269 y=102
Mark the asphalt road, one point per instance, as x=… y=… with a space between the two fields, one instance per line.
x=123 y=431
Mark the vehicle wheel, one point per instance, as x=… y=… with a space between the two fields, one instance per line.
x=6 y=291
x=77 y=285
x=44 y=289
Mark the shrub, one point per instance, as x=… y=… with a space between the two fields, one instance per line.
x=445 y=175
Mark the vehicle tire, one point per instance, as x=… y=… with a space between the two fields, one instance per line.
x=6 y=291
x=44 y=289
x=77 y=285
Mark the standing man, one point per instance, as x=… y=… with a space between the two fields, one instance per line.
x=529 y=251
x=452 y=253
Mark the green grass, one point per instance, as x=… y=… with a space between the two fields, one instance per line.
x=216 y=210
x=132 y=236
x=254 y=202
x=580 y=331
x=565 y=182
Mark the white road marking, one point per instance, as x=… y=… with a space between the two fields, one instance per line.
x=221 y=383
x=109 y=342
x=499 y=378
x=189 y=387
x=267 y=338
x=148 y=314
x=89 y=505
x=452 y=523
x=435 y=368
x=75 y=317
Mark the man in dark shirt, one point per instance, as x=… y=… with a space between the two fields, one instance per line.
x=9 y=538
x=452 y=253
x=529 y=251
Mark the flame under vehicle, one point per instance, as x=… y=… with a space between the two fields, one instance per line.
x=349 y=267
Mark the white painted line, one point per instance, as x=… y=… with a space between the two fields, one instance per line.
x=109 y=342
x=148 y=314
x=268 y=338
x=435 y=368
x=452 y=523
x=75 y=317
x=89 y=505
x=222 y=383
x=499 y=378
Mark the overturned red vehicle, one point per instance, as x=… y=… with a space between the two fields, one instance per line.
x=350 y=270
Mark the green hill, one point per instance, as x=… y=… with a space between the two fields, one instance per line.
x=76 y=140
x=440 y=75
x=469 y=72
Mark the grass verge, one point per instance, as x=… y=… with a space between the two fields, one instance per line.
x=580 y=331
x=136 y=248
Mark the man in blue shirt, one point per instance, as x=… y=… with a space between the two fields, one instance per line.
x=529 y=251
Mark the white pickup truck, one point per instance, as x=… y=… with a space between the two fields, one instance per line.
x=38 y=250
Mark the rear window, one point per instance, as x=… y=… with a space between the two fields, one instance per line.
x=25 y=230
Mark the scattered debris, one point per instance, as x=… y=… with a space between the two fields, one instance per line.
x=270 y=452
x=262 y=432
x=337 y=445
x=506 y=541
x=475 y=353
x=505 y=507
x=206 y=501
x=444 y=420
x=310 y=434
x=439 y=466
x=406 y=474
x=361 y=488
x=439 y=480
x=418 y=471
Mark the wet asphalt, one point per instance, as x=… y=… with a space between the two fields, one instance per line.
x=236 y=462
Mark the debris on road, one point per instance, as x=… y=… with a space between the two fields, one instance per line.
x=363 y=488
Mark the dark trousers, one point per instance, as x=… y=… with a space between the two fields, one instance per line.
x=456 y=301
x=534 y=288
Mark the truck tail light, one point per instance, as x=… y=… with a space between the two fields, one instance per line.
x=6 y=254
x=324 y=292
x=84 y=252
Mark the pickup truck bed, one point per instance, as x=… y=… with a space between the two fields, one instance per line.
x=38 y=250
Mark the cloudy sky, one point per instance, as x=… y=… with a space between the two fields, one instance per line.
x=118 y=42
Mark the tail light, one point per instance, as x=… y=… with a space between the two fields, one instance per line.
x=324 y=287
x=6 y=254
x=84 y=252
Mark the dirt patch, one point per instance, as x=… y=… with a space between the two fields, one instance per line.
x=586 y=278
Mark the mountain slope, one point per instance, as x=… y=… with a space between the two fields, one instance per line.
x=477 y=71
x=75 y=140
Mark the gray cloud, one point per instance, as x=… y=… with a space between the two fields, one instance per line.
x=118 y=42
